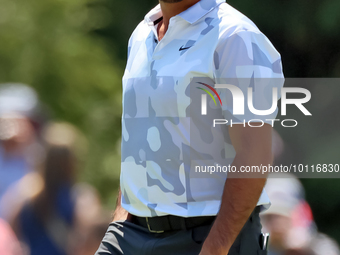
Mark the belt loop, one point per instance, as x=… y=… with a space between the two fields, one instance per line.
x=151 y=230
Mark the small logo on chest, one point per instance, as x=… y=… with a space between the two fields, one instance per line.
x=185 y=48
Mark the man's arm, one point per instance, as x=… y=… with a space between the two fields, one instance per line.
x=240 y=195
x=120 y=213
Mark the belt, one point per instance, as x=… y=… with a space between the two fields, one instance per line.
x=161 y=224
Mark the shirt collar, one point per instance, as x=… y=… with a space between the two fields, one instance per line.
x=191 y=15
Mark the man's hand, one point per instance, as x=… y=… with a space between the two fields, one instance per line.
x=120 y=213
x=241 y=192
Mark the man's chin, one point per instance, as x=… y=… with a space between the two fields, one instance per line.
x=170 y=1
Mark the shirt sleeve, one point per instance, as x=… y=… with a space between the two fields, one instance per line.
x=248 y=61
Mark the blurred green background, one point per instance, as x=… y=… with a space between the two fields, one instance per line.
x=73 y=53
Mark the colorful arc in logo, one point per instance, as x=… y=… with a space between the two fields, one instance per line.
x=208 y=92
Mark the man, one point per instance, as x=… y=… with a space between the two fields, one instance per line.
x=165 y=206
x=19 y=150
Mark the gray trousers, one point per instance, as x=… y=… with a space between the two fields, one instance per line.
x=128 y=238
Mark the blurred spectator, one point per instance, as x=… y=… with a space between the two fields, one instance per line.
x=322 y=244
x=286 y=194
x=86 y=238
x=290 y=222
x=9 y=244
x=58 y=209
x=19 y=150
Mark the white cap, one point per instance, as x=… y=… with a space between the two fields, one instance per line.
x=285 y=192
x=17 y=98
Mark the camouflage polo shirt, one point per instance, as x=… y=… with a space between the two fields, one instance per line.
x=163 y=131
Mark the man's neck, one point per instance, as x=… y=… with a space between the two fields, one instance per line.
x=172 y=9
